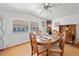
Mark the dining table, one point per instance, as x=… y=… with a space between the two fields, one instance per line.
x=46 y=40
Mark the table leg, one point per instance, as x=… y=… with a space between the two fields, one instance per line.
x=48 y=49
x=48 y=53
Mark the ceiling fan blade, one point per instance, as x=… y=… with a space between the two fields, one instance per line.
x=51 y=5
x=42 y=11
x=50 y=10
x=40 y=6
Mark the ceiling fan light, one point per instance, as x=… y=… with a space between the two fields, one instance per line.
x=46 y=14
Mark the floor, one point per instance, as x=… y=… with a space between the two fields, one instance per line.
x=25 y=50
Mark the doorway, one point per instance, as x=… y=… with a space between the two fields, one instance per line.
x=70 y=32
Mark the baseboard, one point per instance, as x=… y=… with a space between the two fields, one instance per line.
x=15 y=45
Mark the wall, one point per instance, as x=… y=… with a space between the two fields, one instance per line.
x=54 y=21
x=73 y=19
x=10 y=38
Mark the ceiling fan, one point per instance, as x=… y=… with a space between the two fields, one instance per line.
x=47 y=7
x=47 y=10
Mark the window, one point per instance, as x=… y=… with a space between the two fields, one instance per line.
x=20 y=26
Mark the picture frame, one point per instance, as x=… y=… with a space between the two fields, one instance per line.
x=56 y=24
x=43 y=23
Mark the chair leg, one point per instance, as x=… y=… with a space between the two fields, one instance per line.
x=61 y=53
x=32 y=54
x=47 y=52
x=37 y=54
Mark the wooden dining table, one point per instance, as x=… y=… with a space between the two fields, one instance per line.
x=47 y=42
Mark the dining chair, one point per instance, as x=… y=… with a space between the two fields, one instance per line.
x=55 y=34
x=58 y=48
x=35 y=47
x=38 y=32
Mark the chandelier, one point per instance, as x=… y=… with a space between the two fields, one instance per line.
x=47 y=12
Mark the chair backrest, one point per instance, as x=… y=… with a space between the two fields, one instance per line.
x=54 y=31
x=33 y=41
x=62 y=41
x=38 y=32
x=55 y=34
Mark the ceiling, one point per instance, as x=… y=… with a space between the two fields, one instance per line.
x=58 y=10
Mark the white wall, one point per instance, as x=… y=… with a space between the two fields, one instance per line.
x=73 y=19
x=10 y=38
x=1 y=33
x=54 y=21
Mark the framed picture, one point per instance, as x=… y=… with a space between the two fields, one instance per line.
x=56 y=24
x=43 y=23
x=34 y=26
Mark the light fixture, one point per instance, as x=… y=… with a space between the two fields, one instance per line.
x=47 y=12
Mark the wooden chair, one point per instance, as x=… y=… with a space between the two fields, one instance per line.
x=38 y=32
x=58 y=48
x=55 y=34
x=34 y=46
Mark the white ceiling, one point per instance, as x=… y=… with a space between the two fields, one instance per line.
x=59 y=10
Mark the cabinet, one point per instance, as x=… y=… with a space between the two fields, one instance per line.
x=70 y=32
